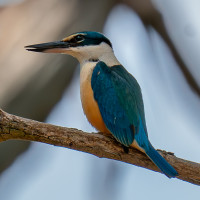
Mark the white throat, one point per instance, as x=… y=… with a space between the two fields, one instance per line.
x=102 y=52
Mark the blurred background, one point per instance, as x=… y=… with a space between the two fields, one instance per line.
x=158 y=41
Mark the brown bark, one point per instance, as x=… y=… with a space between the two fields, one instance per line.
x=17 y=128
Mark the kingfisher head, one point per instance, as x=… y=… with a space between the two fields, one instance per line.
x=85 y=46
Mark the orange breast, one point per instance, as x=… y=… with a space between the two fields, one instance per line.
x=89 y=104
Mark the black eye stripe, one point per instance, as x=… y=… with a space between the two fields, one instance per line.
x=85 y=40
x=77 y=38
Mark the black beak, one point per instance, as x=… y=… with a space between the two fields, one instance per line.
x=48 y=47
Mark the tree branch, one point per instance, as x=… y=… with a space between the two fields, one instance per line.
x=14 y=127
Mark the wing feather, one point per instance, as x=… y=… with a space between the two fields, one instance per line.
x=116 y=101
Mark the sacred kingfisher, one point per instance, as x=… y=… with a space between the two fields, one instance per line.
x=111 y=97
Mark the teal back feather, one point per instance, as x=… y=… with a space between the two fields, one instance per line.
x=120 y=101
x=134 y=90
x=112 y=111
x=119 y=98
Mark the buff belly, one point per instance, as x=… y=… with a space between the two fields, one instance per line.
x=90 y=106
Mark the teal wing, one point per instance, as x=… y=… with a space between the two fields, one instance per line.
x=119 y=99
x=120 y=102
x=135 y=91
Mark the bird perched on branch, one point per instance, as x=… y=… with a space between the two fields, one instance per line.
x=111 y=97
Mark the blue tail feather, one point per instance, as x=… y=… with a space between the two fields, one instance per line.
x=160 y=162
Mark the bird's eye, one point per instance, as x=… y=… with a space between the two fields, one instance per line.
x=79 y=38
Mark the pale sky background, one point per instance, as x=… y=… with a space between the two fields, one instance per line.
x=172 y=112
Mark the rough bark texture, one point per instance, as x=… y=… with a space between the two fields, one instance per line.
x=18 y=128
